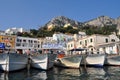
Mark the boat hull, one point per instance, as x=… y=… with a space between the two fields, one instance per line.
x=69 y=61
x=112 y=60
x=13 y=61
x=43 y=61
x=96 y=60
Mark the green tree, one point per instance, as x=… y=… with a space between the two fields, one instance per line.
x=33 y=32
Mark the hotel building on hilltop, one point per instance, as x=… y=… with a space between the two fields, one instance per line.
x=15 y=30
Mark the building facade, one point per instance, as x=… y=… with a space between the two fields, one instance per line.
x=15 y=30
x=26 y=43
x=9 y=41
x=92 y=43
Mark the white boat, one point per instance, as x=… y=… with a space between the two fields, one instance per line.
x=71 y=61
x=13 y=61
x=112 y=60
x=43 y=61
x=95 y=60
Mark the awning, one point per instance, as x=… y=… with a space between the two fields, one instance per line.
x=77 y=49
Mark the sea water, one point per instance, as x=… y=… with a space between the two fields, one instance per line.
x=57 y=73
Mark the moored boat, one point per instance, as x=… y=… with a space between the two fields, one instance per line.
x=69 y=61
x=96 y=60
x=113 y=59
x=43 y=61
x=13 y=61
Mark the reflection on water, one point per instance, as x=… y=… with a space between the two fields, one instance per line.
x=94 y=73
x=112 y=73
x=66 y=74
x=13 y=75
x=89 y=73
x=35 y=74
x=32 y=74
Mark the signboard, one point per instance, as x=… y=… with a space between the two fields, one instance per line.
x=2 y=46
x=52 y=46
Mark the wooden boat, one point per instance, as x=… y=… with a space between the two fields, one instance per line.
x=112 y=60
x=95 y=60
x=43 y=61
x=71 y=61
x=13 y=61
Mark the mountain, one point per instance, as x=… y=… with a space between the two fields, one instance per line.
x=101 y=21
x=118 y=22
x=62 y=21
x=94 y=26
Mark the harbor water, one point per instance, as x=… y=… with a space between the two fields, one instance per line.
x=88 y=73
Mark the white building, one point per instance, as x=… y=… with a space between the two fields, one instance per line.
x=2 y=33
x=110 y=48
x=15 y=30
x=93 y=42
x=62 y=37
x=26 y=43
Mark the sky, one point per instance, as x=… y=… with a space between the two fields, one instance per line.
x=31 y=14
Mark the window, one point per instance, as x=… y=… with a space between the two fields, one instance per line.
x=106 y=40
x=31 y=41
x=38 y=46
x=24 y=40
x=17 y=44
x=35 y=41
x=91 y=40
x=17 y=40
x=71 y=45
x=85 y=42
x=112 y=40
x=80 y=42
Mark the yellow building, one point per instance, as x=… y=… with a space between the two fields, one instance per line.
x=8 y=40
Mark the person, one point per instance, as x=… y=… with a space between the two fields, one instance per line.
x=28 y=52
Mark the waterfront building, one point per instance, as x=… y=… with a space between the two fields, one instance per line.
x=8 y=40
x=60 y=37
x=73 y=43
x=110 y=48
x=49 y=43
x=92 y=43
x=25 y=43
